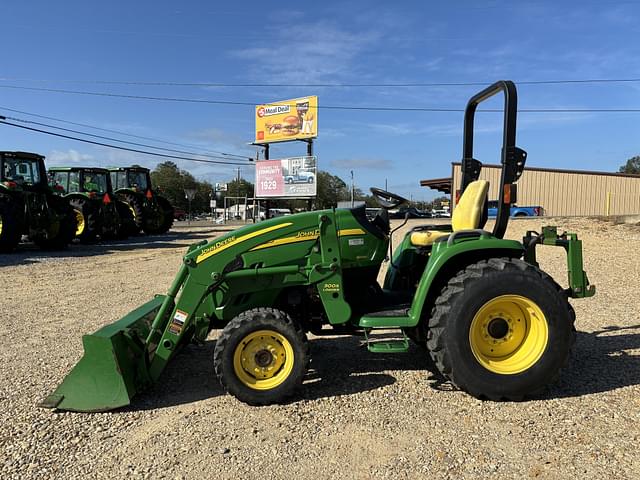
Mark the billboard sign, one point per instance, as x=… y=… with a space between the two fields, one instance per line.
x=287 y=120
x=221 y=187
x=293 y=177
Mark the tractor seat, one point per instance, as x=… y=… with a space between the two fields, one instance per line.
x=468 y=215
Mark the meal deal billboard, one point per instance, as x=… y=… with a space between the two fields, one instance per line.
x=287 y=120
x=293 y=177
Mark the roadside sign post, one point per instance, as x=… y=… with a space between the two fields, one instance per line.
x=189 y=194
x=212 y=204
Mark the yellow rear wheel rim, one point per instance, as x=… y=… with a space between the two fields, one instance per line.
x=79 y=222
x=0 y=224
x=509 y=334
x=263 y=360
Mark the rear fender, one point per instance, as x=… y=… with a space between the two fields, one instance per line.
x=447 y=259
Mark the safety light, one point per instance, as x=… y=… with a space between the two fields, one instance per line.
x=509 y=194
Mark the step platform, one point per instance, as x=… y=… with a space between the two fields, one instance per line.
x=386 y=344
x=396 y=316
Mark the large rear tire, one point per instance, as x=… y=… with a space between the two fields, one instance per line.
x=261 y=356
x=167 y=214
x=10 y=228
x=501 y=329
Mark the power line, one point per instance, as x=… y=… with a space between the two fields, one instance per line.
x=119 y=132
x=115 y=139
x=322 y=85
x=117 y=147
x=324 y=107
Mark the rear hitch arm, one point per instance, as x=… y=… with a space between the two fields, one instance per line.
x=579 y=286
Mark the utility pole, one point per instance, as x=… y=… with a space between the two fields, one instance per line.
x=352 y=188
x=238 y=194
x=386 y=189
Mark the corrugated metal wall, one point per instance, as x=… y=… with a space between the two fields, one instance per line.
x=567 y=193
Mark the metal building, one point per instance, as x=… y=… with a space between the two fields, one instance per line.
x=560 y=192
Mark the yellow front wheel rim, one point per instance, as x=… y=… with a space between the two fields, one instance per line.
x=509 y=334
x=80 y=225
x=263 y=360
x=0 y=224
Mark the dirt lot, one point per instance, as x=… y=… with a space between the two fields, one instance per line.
x=359 y=415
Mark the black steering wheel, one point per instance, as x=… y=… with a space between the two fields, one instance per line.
x=386 y=199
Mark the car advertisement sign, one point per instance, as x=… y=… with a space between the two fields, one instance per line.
x=287 y=120
x=293 y=177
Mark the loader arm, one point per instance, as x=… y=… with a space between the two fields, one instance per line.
x=215 y=274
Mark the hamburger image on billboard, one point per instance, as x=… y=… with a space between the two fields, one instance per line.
x=287 y=120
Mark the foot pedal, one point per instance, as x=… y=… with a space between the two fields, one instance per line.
x=387 y=346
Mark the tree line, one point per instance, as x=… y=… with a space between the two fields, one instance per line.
x=632 y=166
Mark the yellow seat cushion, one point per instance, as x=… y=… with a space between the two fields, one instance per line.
x=466 y=215
x=426 y=237
x=468 y=211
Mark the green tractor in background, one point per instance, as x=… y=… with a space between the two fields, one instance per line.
x=28 y=205
x=152 y=213
x=98 y=211
x=495 y=325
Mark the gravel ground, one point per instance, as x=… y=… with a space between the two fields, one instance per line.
x=359 y=415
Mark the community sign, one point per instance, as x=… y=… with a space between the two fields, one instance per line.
x=287 y=120
x=288 y=177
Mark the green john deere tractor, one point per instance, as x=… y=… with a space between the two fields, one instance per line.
x=152 y=212
x=98 y=211
x=28 y=205
x=494 y=323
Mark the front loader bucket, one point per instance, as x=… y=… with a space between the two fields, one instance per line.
x=113 y=368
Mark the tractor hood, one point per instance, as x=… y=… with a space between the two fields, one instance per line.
x=278 y=240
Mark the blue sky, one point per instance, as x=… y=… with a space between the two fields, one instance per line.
x=329 y=42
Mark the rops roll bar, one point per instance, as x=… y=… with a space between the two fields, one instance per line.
x=513 y=158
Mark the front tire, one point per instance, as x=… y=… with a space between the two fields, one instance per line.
x=501 y=329
x=62 y=230
x=135 y=207
x=127 y=221
x=261 y=356
x=88 y=224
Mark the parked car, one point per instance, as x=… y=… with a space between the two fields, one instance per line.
x=275 y=212
x=516 y=211
x=300 y=177
x=179 y=214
